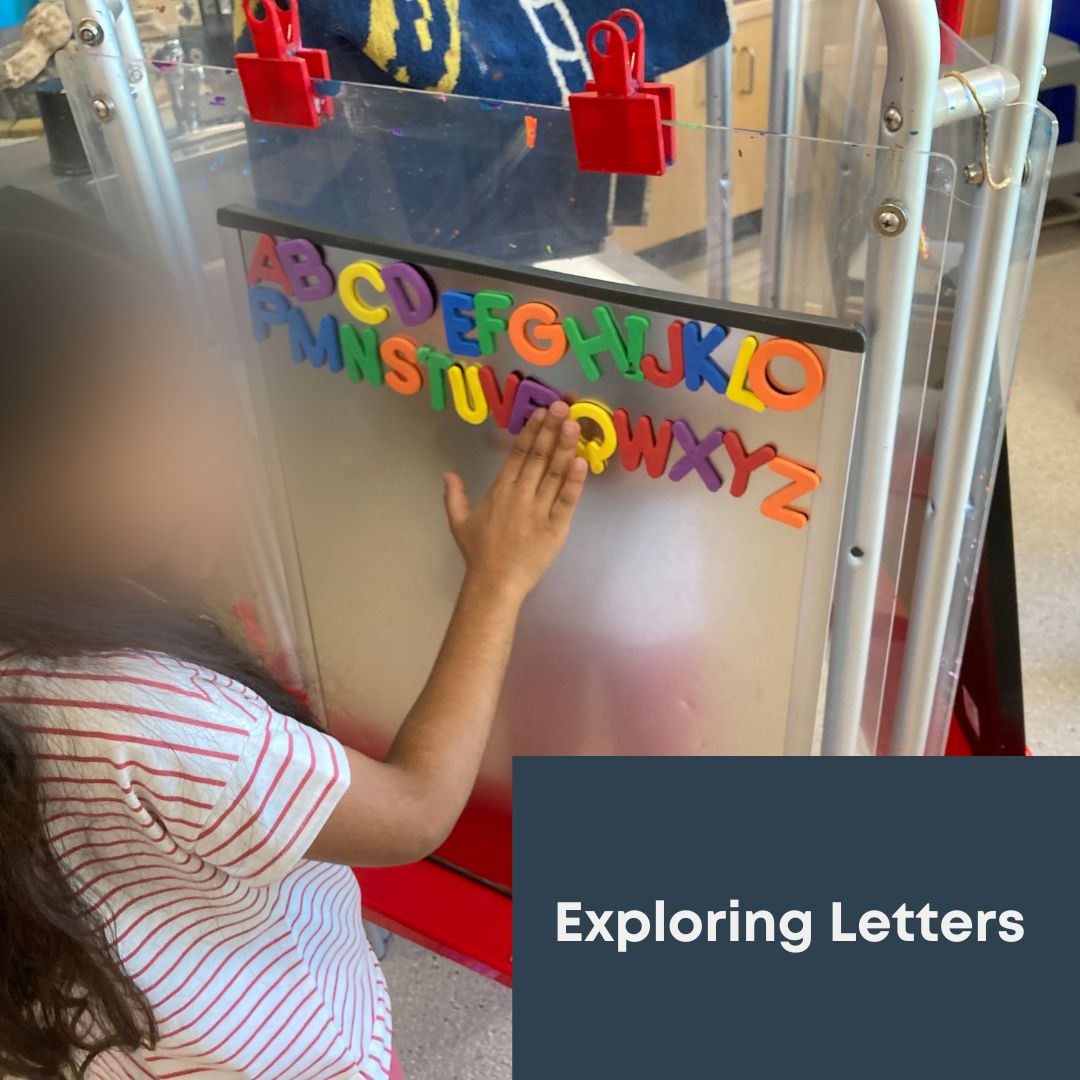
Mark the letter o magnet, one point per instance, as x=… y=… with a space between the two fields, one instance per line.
x=774 y=394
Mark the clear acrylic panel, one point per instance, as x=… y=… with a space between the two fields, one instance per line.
x=1032 y=197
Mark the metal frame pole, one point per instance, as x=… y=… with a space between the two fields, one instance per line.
x=1019 y=47
x=123 y=100
x=718 y=226
x=112 y=105
x=783 y=77
x=860 y=75
x=906 y=126
x=994 y=85
x=845 y=182
x=185 y=255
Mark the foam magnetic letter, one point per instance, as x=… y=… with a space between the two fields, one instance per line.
x=607 y=339
x=266 y=266
x=637 y=329
x=403 y=374
x=457 y=324
x=488 y=324
x=778 y=505
x=744 y=463
x=501 y=403
x=436 y=363
x=535 y=323
x=697 y=357
x=469 y=401
x=737 y=389
x=531 y=395
x=308 y=274
x=362 y=270
x=317 y=351
x=596 y=452
x=412 y=295
x=674 y=375
x=772 y=393
x=360 y=352
x=696 y=455
x=639 y=443
x=268 y=308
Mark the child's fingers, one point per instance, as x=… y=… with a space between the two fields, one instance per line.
x=567 y=499
x=456 y=500
x=560 y=463
x=511 y=469
x=539 y=456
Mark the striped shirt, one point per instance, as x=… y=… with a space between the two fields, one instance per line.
x=180 y=805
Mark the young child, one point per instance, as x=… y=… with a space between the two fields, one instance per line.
x=175 y=831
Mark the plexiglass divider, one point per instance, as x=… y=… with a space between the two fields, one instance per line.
x=1020 y=266
x=498 y=181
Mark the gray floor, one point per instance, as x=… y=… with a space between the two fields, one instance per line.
x=1044 y=444
x=450 y=1024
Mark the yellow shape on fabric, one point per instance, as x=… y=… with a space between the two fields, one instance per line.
x=381 y=46
x=452 y=56
x=423 y=26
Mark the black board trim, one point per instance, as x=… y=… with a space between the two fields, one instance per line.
x=811 y=329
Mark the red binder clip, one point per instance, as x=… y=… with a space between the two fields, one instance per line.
x=663 y=92
x=617 y=119
x=277 y=77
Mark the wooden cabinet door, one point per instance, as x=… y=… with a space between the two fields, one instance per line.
x=675 y=202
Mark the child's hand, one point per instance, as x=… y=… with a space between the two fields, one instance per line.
x=403 y=808
x=514 y=533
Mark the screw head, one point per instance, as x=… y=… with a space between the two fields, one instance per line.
x=1025 y=177
x=103 y=108
x=892 y=118
x=890 y=219
x=974 y=174
x=90 y=32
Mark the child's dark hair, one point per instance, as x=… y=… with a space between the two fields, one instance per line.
x=64 y=996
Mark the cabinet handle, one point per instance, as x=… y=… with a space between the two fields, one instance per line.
x=751 y=70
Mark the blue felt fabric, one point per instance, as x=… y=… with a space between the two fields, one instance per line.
x=505 y=49
x=380 y=184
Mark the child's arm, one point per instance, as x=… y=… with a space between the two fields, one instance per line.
x=402 y=809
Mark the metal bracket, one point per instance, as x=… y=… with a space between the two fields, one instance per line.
x=995 y=86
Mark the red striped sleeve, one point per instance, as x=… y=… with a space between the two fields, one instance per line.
x=279 y=794
x=254 y=786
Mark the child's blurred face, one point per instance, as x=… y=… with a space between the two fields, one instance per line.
x=131 y=467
